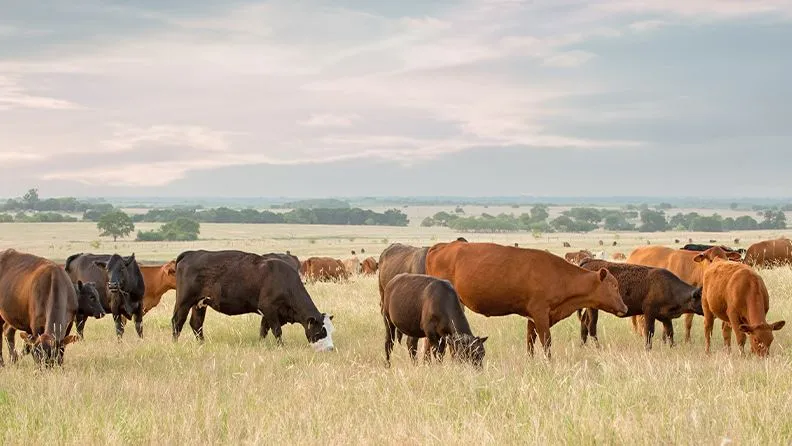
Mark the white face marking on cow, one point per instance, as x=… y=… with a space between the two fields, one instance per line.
x=325 y=344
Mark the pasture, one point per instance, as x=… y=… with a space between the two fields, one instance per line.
x=237 y=389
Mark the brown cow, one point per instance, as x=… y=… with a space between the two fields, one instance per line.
x=159 y=279
x=618 y=256
x=577 y=257
x=352 y=265
x=369 y=266
x=38 y=298
x=736 y=294
x=769 y=253
x=496 y=280
x=680 y=262
x=324 y=269
x=423 y=306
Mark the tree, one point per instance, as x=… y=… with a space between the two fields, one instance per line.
x=31 y=199
x=734 y=206
x=664 y=206
x=773 y=219
x=588 y=215
x=539 y=213
x=712 y=223
x=653 y=221
x=615 y=221
x=115 y=224
x=745 y=223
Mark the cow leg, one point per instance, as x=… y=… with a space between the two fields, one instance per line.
x=180 y=312
x=80 y=322
x=649 y=328
x=542 y=324
x=264 y=329
x=433 y=341
x=390 y=333
x=6 y=328
x=427 y=347
x=275 y=326
x=412 y=347
x=709 y=323
x=197 y=321
x=688 y=326
x=531 y=336
x=591 y=322
x=668 y=331
x=583 y=315
x=734 y=321
x=119 y=325
x=726 y=329
x=138 y=317
x=440 y=348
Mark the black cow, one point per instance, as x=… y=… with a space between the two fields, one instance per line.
x=287 y=257
x=655 y=293
x=119 y=283
x=235 y=282
x=701 y=248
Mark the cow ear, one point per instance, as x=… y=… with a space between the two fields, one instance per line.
x=734 y=256
x=484 y=339
x=131 y=259
x=746 y=328
x=102 y=265
x=699 y=258
x=777 y=325
x=69 y=339
x=603 y=273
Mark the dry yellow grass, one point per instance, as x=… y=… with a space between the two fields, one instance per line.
x=234 y=389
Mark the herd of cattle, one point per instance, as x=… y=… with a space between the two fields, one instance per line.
x=423 y=293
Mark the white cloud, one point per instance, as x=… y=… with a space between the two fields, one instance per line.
x=329 y=120
x=568 y=59
x=196 y=137
x=13 y=95
x=647 y=25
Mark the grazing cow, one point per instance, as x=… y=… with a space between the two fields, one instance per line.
x=601 y=243
x=769 y=253
x=234 y=282
x=655 y=293
x=618 y=256
x=496 y=280
x=567 y=245
x=324 y=269
x=362 y=250
x=614 y=243
x=158 y=280
x=38 y=298
x=713 y=241
x=516 y=245
x=676 y=240
x=352 y=265
x=701 y=248
x=396 y=259
x=461 y=239
x=369 y=266
x=690 y=240
x=119 y=282
x=736 y=241
x=420 y=306
x=680 y=262
x=576 y=257
x=736 y=294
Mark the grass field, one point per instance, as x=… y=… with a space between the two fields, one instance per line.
x=235 y=389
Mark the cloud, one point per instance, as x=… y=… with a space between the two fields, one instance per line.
x=195 y=137
x=647 y=25
x=568 y=59
x=13 y=95
x=329 y=120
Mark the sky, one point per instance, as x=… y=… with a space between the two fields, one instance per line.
x=312 y=98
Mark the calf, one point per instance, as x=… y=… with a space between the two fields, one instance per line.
x=655 y=293
x=158 y=280
x=736 y=294
x=369 y=266
x=420 y=306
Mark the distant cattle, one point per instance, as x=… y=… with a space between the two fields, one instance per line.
x=736 y=294
x=676 y=240
x=119 y=282
x=769 y=253
x=614 y=243
x=601 y=243
x=420 y=306
x=38 y=298
x=234 y=282
x=736 y=241
x=655 y=293
x=702 y=247
x=158 y=280
x=496 y=280
x=323 y=269
x=369 y=266
x=713 y=241
x=578 y=256
x=618 y=256
x=567 y=245
x=680 y=262
x=516 y=245
x=352 y=265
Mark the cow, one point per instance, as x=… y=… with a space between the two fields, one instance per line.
x=736 y=294
x=158 y=280
x=700 y=248
x=352 y=265
x=601 y=243
x=235 y=282
x=655 y=293
x=680 y=262
x=496 y=280
x=736 y=241
x=618 y=256
x=396 y=259
x=369 y=266
x=38 y=298
x=576 y=257
x=324 y=269
x=769 y=253
x=420 y=306
x=615 y=243
x=286 y=257
x=567 y=245
x=119 y=282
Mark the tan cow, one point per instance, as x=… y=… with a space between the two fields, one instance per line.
x=323 y=269
x=769 y=253
x=369 y=266
x=352 y=265
x=736 y=294
x=679 y=262
x=159 y=279
x=496 y=280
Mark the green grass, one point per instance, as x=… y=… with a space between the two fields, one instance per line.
x=235 y=389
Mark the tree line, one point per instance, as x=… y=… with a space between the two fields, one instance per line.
x=585 y=219
x=335 y=216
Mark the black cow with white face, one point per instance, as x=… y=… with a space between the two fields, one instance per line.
x=119 y=283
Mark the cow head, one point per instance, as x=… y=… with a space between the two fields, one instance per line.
x=716 y=252
x=88 y=301
x=467 y=348
x=606 y=296
x=761 y=336
x=694 y=304
x=119 y=274
x=168 y=274
x=46 y=350
x=320 y=333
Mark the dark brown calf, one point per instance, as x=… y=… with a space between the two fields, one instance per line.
x=420 y=306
